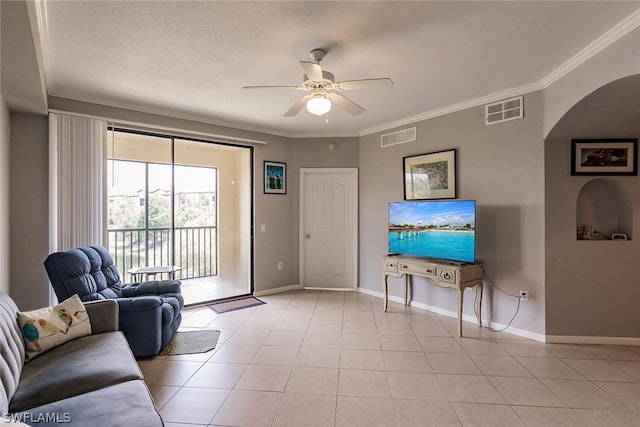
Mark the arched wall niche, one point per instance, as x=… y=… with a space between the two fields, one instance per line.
x=603 y=209
x=591 y=287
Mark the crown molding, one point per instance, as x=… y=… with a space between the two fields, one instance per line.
x=486 y=99
x=164 y=112
x=324 y=135
x=36 y=10
x=188 y=116
x=174 y=131
x=620 y=30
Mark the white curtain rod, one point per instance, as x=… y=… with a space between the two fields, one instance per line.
x=174 y=131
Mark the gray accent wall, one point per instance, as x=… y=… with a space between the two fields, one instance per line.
x=500 y=166
x=592 y=286
x=29 y=201
x=5 y=137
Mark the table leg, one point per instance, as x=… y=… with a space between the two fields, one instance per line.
x=480 y=305
x=460 y=294
x=385 y=285
x=406 y=289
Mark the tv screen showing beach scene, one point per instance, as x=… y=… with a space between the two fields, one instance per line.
x=441 y=229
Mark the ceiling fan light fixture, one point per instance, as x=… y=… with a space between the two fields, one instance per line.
x=319 y=105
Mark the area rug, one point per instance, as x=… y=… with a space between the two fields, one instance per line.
x=236 y=304
x=188 y=342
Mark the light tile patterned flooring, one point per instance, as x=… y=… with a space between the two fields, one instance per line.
x=312 y=358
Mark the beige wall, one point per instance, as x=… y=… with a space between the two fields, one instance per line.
x=592 y=286
x=5 y=135
x=277 y=213
x=502 y=167
x=29 y=200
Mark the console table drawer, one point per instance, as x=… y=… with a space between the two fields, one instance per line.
x=391 y=265
x=446 y=275
x=418 y=268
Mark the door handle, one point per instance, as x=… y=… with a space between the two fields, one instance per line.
x=307 y=236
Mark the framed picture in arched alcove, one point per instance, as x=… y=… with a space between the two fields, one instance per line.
x=604 y=157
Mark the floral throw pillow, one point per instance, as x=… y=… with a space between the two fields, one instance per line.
x=49 y=327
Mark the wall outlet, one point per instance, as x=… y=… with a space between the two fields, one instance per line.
x=524 y=296
x=280 y=266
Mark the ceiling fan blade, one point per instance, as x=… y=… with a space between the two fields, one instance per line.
x=273 y=87
x=346 y=104
x=298 y=106
x=381 y=83
x=312 y=70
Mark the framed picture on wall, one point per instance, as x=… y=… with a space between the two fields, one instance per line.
x=430 y=176
x=604 y=157
x=275 y=177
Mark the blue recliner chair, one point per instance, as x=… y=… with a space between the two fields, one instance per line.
x=150 y=312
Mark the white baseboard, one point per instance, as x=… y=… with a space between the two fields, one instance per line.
x=370 y=292
x=277 y=290
x=569 y=339
x=465 y=317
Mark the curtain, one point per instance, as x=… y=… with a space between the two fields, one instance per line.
x=77 y=180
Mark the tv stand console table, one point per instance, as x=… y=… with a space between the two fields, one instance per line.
x=458 y=276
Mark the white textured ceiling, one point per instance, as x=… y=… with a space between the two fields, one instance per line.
x=191 y=58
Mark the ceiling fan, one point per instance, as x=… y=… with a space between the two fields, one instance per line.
x=323 y=89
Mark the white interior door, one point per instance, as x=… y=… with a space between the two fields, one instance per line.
x=328 y=228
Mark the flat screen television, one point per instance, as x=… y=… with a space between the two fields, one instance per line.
x=438 y=229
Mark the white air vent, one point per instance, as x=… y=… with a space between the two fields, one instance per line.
x=399 y=137
x=503 y=111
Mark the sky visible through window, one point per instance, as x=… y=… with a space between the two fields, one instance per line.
x=127 y=178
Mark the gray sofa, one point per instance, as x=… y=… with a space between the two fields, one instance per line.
x=89 y=381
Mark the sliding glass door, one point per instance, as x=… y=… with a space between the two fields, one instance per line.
x=183 y=203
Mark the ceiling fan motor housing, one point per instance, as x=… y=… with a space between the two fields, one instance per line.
x=327 y=82
x=317 y=54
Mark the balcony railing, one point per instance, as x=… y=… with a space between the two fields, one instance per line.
x=195 y=249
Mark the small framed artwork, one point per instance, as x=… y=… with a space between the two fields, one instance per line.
x=430 y=176
x=275 y=177
x=604 y=157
